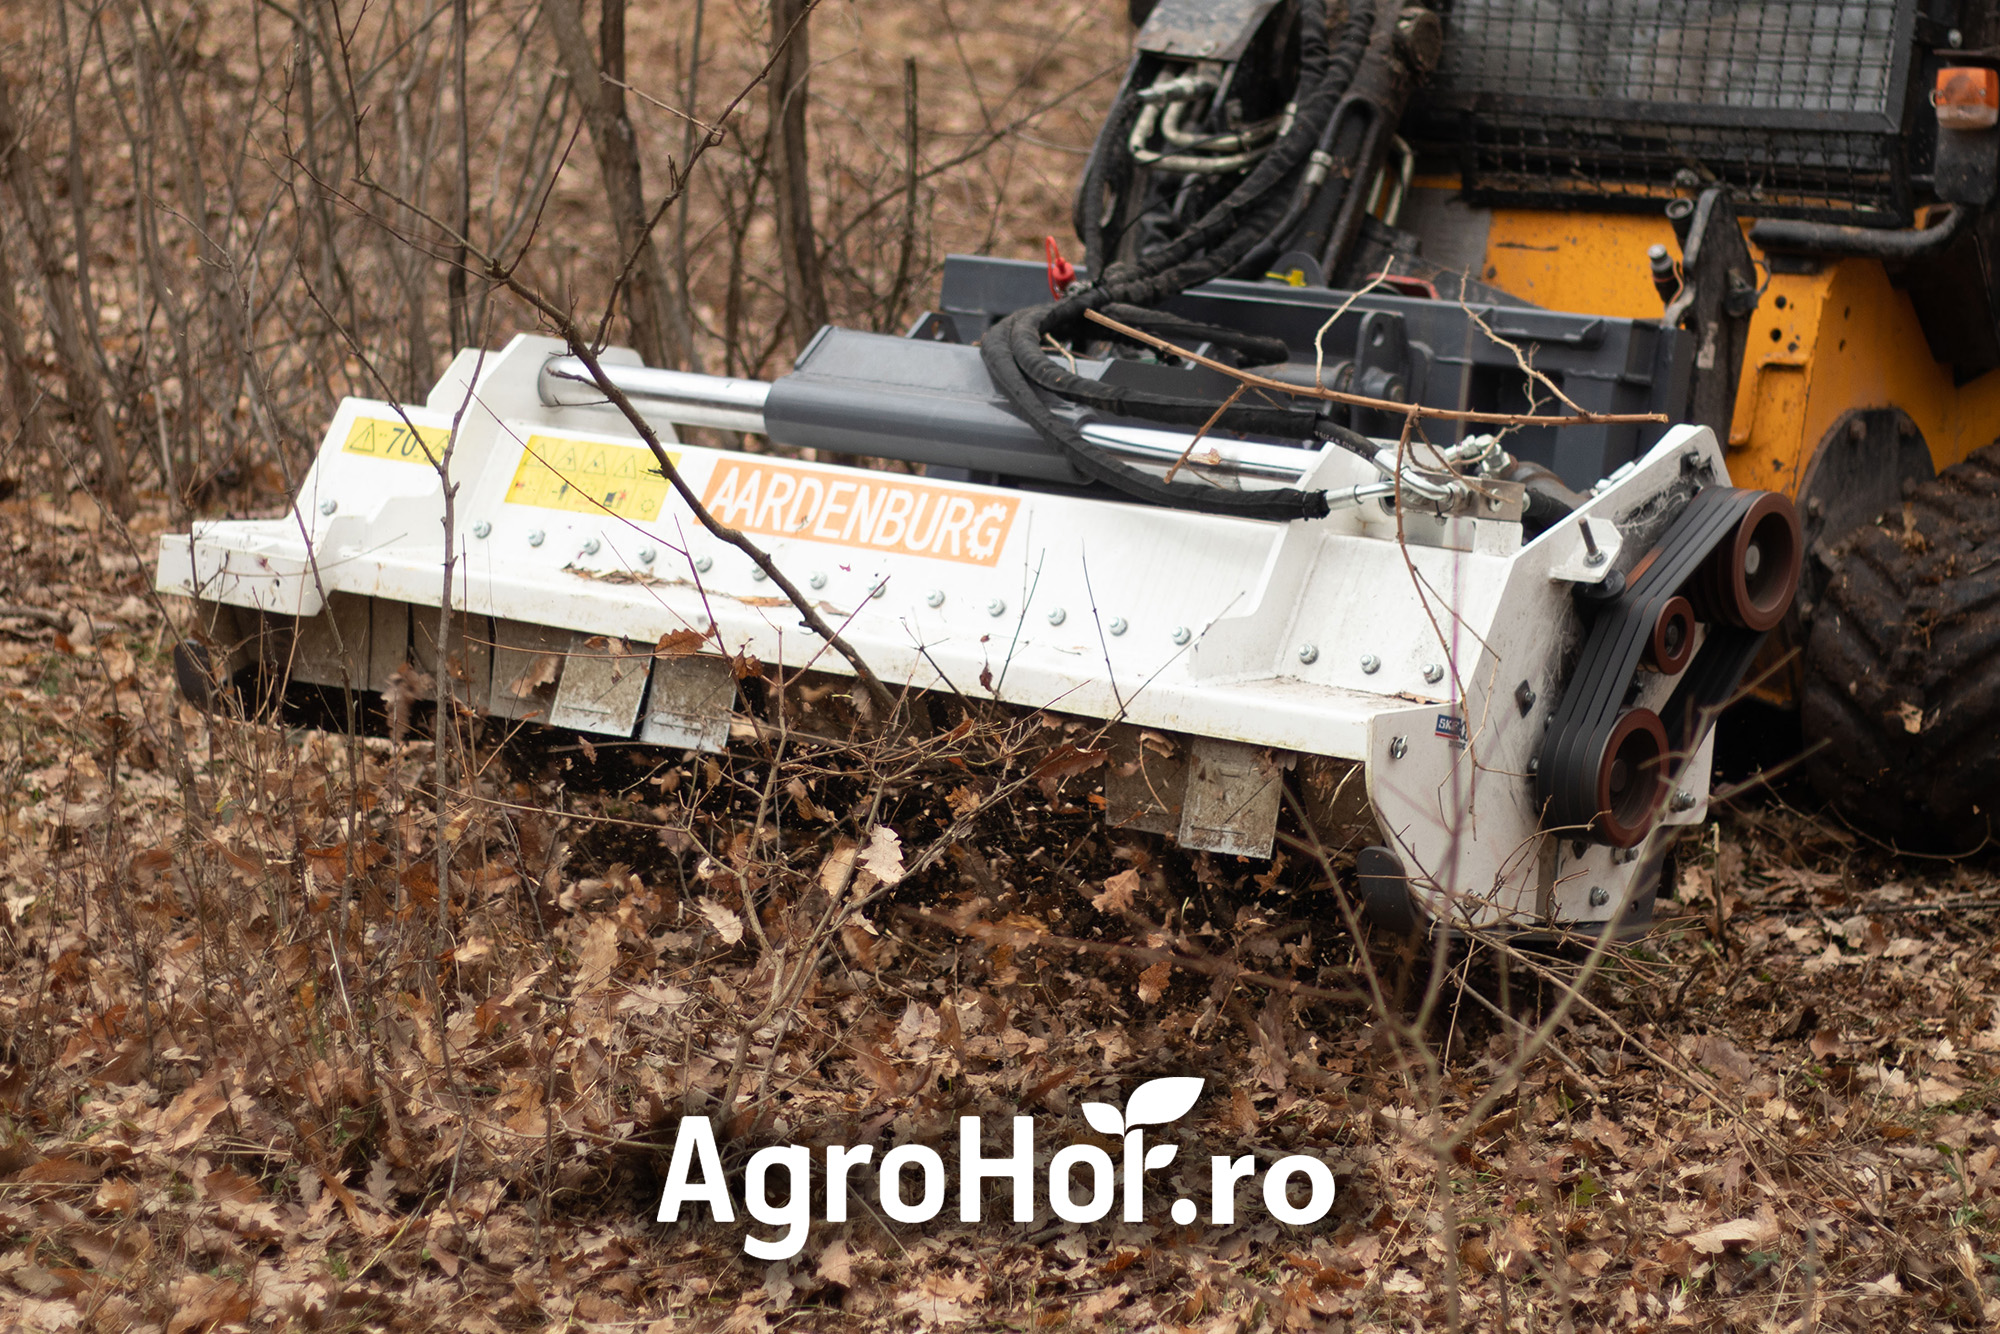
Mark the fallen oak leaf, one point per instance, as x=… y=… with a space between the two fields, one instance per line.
x=725 y=921
x=1740 y=1231
x=681 y=643
x=883 y=857
x=1118 y=892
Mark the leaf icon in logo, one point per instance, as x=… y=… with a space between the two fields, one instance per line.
x=1158 y=1101
x=1104 y=1118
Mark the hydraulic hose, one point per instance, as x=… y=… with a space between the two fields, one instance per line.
x=1231 y=230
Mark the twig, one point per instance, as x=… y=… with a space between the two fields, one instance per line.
x=12 y=612
x=1414 y=411
x=1206 y=427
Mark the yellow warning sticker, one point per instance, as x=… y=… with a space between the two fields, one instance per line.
x=379 y=438
x=590 y=477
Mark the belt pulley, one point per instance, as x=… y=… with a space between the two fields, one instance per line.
x=1730 y=560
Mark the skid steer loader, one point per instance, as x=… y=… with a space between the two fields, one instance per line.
x=1178 y=492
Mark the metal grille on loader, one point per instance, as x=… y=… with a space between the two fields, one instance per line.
x=1798 y=106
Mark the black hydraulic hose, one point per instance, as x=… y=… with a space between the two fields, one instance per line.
x=1310 y=110
x=1109 y=168
x=1346 y=60
x=1229 y=231
x=1101 y=466
x=1825 y=238
x=1259 y=348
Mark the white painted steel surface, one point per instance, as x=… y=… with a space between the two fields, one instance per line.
x=1075 y=605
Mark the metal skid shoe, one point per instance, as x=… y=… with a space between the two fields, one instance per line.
x=1494 y=718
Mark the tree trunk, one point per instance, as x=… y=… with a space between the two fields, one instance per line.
x=59 y=295
x=791 y=176
x=600 y=90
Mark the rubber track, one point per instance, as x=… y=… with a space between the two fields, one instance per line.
x=1902 y=670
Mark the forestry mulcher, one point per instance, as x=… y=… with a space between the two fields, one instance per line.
x=1700 y=305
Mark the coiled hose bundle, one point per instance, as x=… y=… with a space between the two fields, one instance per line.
x=1250 y=220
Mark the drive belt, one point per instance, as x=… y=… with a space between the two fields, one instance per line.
x=1730 y=559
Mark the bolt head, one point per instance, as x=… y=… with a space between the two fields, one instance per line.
x=1308 y=654
x=1057 y=615
x=703 y=564
x=934 y=598
x=1182 y=634
x=1370 y=663
x=817 y=580
x=482 y=529
x=757 y=573
x=1599 y=896
x=536 y=537
x=997 y=607
x=880 y=589
x=1399 y=747
x=1118 y=625
x=1433 y=673
x=1683 y=800
x=591 y=547
x=1595 y=558
x=328 y=506
x=647 y=555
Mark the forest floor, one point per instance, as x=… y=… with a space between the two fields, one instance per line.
x=290 y=1040
x=256 y=1077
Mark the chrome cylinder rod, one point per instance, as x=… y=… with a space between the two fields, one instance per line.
x=683 y=398
x=680 y=397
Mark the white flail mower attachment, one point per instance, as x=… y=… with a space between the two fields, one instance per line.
x=1495 y=723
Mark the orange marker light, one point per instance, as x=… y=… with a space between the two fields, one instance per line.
x=1967 y=97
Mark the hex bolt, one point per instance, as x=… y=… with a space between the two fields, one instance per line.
x=591 y=547
x=757 y=573
x=1370 y=663
x=1524 y=697
x=703 y=564
x=1118 y=625
x=880 y=590
x=818 y=579
x=1182 y=634
x=647 y=555
x=1399 y=747
x=482 y=529
x=996 y=607
x=934 y=598
x=1057 y=615
x=1433 y=673
x=535 y=537
x=328 y=506
x=1308 y=654
x=1534 y=765
x=1593 y=555
x=1683 y=800
x=1599 y=896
